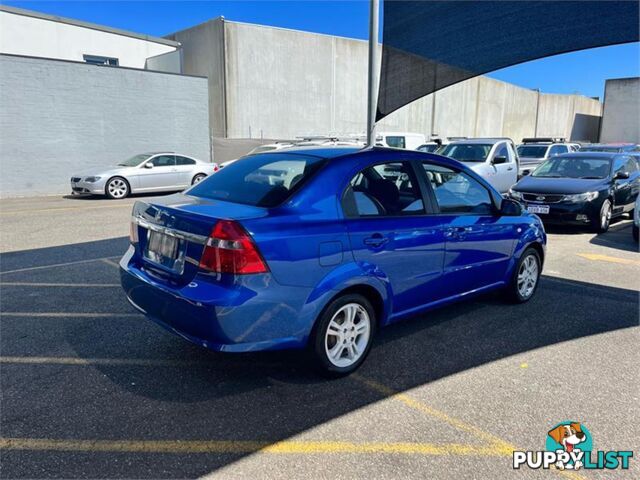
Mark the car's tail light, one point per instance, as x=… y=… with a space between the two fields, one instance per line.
x=133 y=232
x=216 y=167
x=230 y=249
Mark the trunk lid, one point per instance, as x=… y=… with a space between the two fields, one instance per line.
x=173 y=230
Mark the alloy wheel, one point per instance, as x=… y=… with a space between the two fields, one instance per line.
x=528 y=276
x=605 y=217
x=117 y=188
x=347 y=335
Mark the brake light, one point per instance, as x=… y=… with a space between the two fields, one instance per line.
x=230 y=249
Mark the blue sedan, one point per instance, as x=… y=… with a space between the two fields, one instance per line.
x=318 y=248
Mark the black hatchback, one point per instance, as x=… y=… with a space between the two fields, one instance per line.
x=581 y=188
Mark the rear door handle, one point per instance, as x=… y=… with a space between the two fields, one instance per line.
x=457 y=232
x=375 y=240
x=510 y=168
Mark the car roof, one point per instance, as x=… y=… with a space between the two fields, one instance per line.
x=320 y=151
x=479 y=141
x=591 y=155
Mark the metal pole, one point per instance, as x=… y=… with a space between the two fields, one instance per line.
x=372 y=97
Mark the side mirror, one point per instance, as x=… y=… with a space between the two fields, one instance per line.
x=621 y=176
x=526 y=172
x=499 y=160
x=510 y=208
x=148 y=165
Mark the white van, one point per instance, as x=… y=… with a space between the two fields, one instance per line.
x=410 y=141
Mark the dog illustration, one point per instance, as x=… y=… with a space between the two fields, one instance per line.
x=568 y=436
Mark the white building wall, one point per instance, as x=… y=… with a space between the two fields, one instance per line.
x=39 y=37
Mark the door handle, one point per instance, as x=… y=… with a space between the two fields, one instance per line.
x=375 y=240
x=510 y=168
x=457 y=232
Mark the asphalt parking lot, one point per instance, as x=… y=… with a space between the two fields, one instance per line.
x=90 y=389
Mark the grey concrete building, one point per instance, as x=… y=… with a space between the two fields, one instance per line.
x=278 y=83
x=621 y=117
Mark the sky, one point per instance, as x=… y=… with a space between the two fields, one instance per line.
x=582 y=72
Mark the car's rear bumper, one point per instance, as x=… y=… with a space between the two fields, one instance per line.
x=250 y=314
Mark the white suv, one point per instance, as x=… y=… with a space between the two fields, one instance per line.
x=495 y=159
x=534 y=151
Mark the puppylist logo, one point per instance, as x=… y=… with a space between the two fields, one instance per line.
x=569 y=446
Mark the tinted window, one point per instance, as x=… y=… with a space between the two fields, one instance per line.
x=163 y=161
x=533 y=151
x=625 y=164
x=427 y=148
x=469 y=152
x=264 y=180
x=184 y=161
x=574 y=167
x=457 y=192
x=388 y=189
x=557 y=150
x=396 y=142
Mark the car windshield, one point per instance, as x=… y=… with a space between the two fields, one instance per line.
x=467 y=152
x=574 y=167
x=532 y=151
x=135 y=161
x=260 y=180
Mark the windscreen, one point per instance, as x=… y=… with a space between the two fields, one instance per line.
x=134 y=161
x=574 y=167
x=532 y=151
x=263 y=180
x=475 y=152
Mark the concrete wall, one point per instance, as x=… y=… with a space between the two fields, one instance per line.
x=170 y=62
x=59 y=118
x=204 y=56
x=49 y=37
x=621 y=118
x=278 y=83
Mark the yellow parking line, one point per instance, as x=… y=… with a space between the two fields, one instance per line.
x=496 y=443
x=606 y=258
x=143 y=362
x=57 y=209
x=65 y=264
x=432 y=412
x=243 y=446
x=68 y=314
x=72 y=285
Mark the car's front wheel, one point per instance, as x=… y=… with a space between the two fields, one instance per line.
x=343 y=335
x=117 y=187
x=601 y=224
x=526 y=276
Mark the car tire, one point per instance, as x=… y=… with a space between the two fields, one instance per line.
x=117 y=188
x=198 y=178
x=603 y=220
x=526 y=277
x=634 y=232
x=343 y=336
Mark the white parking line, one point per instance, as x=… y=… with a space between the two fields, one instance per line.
x=71 y=285
x=77 y=262
x=68 y=314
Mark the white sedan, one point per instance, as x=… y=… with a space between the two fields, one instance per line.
x=147 y=172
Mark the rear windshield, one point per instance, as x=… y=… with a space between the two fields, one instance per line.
x=532 y=151
x=263 y=180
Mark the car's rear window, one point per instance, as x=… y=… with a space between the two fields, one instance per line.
x=533 y=151
x=263 y=180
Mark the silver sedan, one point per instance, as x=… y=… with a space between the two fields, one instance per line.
x=147 y=172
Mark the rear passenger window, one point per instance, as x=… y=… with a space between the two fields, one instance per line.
x=457 y=192
x=388 y=189
x=163 y=161
x=184 y=161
